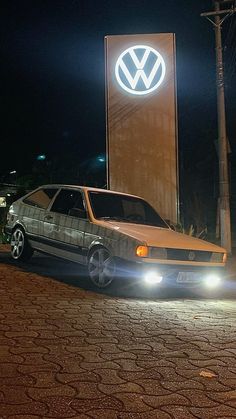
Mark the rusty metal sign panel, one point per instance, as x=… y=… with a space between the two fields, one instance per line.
x=141 y=119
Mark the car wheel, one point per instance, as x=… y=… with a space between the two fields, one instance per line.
x=20 y=248
x=101 y=267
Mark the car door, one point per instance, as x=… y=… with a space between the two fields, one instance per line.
x=32 y=212
x=64 y=225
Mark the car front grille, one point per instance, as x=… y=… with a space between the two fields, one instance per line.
x=189 y=255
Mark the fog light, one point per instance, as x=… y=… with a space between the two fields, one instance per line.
x=212 y=281
x=152 y=278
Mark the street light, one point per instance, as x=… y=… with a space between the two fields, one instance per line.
x=41 y=157
x=101 y=159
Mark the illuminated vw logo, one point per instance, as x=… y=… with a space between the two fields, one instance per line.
x=140 y=70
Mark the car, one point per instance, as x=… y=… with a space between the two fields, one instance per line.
x=114 y=234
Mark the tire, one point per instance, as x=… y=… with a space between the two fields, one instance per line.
x=20 y=248
x=101 y=267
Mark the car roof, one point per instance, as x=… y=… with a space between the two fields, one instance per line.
x=85 y=188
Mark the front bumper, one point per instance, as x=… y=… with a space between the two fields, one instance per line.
x=172 y=275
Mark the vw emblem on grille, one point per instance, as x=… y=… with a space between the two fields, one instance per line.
x=140 y=69
x=191 y=255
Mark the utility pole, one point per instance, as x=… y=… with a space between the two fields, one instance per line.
x=219 y=16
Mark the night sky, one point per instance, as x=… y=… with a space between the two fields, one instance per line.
x=52 y=75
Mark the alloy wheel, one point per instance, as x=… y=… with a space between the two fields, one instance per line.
x=101 y=267
x=17 y=243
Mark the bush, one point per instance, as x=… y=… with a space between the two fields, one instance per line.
x=3 y=237
x=192 y=230
x=3 y=218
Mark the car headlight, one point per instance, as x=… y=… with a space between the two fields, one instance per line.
x=218 y=257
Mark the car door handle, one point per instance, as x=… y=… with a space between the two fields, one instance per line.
x=48 y=217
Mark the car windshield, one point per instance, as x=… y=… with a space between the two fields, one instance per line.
x=125 y=208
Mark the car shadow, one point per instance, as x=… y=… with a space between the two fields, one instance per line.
x=76 y=275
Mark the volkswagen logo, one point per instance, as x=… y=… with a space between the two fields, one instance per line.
x=140 y=70
x=191 y=255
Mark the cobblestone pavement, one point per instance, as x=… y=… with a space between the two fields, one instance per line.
x=67 y=352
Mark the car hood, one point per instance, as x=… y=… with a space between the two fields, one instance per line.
x=162 y=237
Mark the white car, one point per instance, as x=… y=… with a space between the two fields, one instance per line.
x=112 y=233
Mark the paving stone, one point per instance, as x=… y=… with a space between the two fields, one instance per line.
x=4 y=341
x=85 y=406
x=140 y=375
x=58 y=391
x=108 y=376
x=214 y=412
x=152 y=387
x=44 y=379
x=223 y=397
x=88 y=390
x=152 y=414
x=28 y=369
x=198 y=398
x=118 y=355
x=24 y=417
x=9 y=370
x=228 y=382
x=26 y=350
x=179 y=412
x=18 y=380
x=207 y=363
x=128 y=365
x=165 y=400
x=133 y=402
x=11 y=394
x=86 y=355
x=109 y=365
x=72 y=378
x=32 y=408
x=101 y=413
x=67 y=364
x=121 y=388
x=59 y=407
x=174 y=386
x=7 y=356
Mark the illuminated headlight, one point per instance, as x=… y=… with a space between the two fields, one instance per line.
x=158 y=252
x=152 y=277
x=212 y=281
x=217 y=257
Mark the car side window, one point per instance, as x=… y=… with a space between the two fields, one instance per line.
x=69 y=202
x=40 y=198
